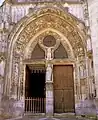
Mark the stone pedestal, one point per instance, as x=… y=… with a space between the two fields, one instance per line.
x=49 y=98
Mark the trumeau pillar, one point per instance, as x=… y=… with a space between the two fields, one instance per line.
x=49 y=90
x=49 y=83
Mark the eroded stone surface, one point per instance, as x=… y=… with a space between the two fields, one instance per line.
x=27 y=118
x=69 y=30
x=86 y=107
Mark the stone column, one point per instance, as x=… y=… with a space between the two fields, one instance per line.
x=49 y=91
x=15 y=79
x=49 y=98
x=87 y=79
x=1 y=91
x=78 y=80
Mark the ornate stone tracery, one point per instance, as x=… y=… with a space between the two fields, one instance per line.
x=25 y=40
x=34 y=28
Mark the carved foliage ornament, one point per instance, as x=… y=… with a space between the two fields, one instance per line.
x=72 y=35
x=44 y=19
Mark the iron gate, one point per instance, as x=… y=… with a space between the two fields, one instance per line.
x=35 y=105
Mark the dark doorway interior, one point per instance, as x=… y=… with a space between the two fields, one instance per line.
x=37 y=84
x=35 y=90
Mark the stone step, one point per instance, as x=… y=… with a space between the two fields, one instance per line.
x=50 y=118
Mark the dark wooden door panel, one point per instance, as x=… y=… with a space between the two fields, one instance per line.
x=70 y=76
x=68 y=100
x=58 y=104
x=58 y=78
x=63 y=88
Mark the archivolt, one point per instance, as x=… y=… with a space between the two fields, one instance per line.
x=49 y=18
x=29 y=27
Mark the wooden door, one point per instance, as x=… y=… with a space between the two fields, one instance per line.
x=63 y=88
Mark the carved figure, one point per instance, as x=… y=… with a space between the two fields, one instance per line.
x=49 y=73
x=2 y=67
x=49 y=54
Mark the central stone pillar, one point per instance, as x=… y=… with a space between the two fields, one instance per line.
x=49 y=98
x=49 y=90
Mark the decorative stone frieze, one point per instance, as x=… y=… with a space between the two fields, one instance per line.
x=48 y=21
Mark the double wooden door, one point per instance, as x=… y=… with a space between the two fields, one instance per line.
x=63 y=89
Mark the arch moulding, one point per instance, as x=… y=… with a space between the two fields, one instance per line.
x=28 y=30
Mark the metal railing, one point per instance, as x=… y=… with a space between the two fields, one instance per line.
x=34 y=105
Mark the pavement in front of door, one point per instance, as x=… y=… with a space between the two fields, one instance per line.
x=49 y=118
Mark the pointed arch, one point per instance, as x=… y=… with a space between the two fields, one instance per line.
x=30 y=27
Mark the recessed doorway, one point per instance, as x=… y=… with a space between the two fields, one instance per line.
x=35 y=89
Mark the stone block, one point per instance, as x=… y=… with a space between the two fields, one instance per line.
x=12 y=107
x=86 y=107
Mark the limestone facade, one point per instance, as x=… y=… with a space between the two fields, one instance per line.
x=24 y=24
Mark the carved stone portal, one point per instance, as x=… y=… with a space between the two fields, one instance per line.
x=47 y=21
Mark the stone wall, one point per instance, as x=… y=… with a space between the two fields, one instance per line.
x=93 y=15
x=11 y=14
x=19 y=11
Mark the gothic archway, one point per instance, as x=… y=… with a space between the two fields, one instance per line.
x=43 y=22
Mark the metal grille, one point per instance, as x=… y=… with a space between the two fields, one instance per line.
x=35 y=105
